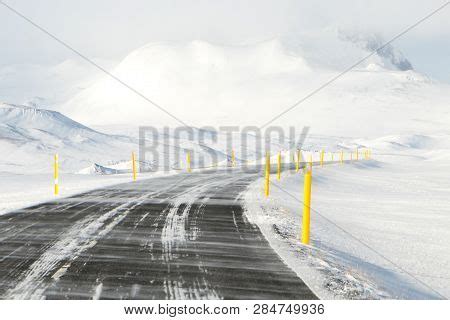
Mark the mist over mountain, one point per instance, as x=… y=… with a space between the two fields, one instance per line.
x=206 y=84
x=46 y=85
x=209 y=84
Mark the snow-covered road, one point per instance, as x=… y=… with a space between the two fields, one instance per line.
x=177 y=237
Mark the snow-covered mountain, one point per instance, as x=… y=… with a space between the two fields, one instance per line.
x=206 y=84
x=30 y=136
x=382 y=99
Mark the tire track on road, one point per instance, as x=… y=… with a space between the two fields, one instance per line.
x=163 y=238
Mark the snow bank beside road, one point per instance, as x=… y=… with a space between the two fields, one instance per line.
x=22 y=190
x=380 y=229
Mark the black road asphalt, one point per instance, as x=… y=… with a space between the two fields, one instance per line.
x=177 y=237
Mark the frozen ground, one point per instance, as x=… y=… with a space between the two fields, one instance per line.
x=379 y=228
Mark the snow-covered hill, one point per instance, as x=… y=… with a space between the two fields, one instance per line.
x=383 y=99
x=206 y=84
x=30 y=136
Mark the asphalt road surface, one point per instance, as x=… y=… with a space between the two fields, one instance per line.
x=178 y=237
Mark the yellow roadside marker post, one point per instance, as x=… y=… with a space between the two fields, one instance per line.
x=133 y=165
x=341 y=157
x=306 y=219
x=56 y=174
x=321 y=158
x=267 y=177
x=233 y=159
x=293 y=159
x=279 y=166
x=188 y=161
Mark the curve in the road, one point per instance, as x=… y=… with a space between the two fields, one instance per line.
x=177 y=237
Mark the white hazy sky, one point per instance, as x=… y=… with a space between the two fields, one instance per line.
x=109 y=29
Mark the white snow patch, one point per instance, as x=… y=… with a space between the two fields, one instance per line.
x=392 y=210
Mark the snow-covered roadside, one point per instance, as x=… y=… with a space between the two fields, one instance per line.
x=366 y=217
x=22 y=190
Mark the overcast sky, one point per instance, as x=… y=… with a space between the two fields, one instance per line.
x=109 y=29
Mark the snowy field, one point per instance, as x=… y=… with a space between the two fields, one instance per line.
x=379 y=228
